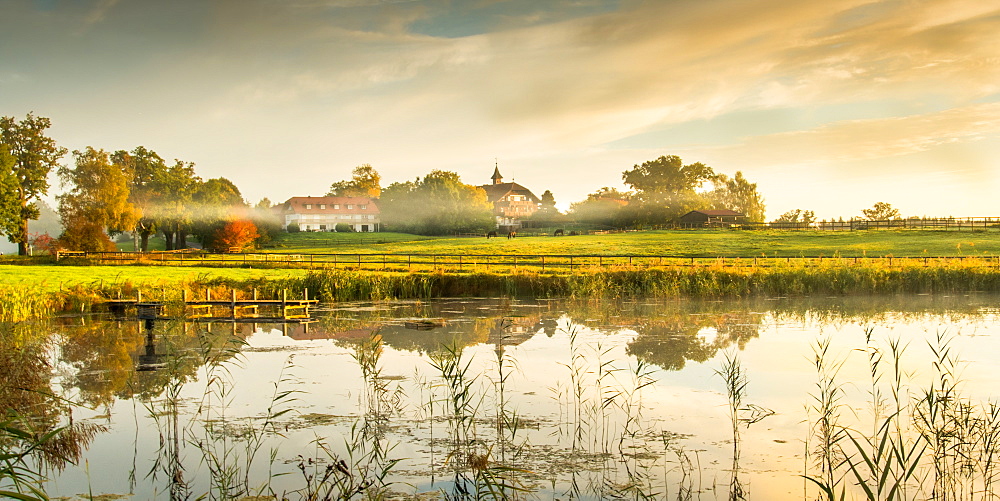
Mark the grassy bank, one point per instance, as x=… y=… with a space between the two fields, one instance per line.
x=30 y=291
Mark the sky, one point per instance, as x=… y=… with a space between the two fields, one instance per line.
x=828 y=106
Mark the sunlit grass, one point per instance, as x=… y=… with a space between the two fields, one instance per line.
x=686 y=243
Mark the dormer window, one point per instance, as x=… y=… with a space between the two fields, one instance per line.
x=363 y=207
x=309 y=206
x=350 y=206
x=322 y=206
x=336 y=206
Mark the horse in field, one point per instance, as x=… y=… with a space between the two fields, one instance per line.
x=558 y=233
x=511 y=235
x=491 y=234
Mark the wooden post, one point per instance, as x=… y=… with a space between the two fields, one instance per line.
x=232 y=305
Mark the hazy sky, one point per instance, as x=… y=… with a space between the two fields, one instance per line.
x=829 y=105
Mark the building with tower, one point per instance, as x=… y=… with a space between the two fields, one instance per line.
x=511 y=201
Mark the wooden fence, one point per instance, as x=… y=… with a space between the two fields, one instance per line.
x=503 y=262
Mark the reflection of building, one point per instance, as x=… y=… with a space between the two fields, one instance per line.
x=511 y=201
x=325 y=213
x=712 y=217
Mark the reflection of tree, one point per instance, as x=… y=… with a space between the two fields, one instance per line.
x=104 y=355
x=670 y=342
x=26 y=393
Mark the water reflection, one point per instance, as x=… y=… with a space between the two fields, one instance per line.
x=575 y=399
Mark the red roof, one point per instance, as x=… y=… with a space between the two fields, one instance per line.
x=297 y=205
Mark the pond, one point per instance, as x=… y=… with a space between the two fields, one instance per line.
x=450 y=399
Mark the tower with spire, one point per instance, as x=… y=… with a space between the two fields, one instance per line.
x=497 y=178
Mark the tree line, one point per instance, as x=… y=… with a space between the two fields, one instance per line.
x=125 y=191
x=140 y=193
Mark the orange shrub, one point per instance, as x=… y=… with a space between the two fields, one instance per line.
x=235 y=236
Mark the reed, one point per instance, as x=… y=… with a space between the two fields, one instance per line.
x=18 y=304
x=19 y=478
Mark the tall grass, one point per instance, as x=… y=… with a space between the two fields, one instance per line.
x=933 y=444
x=23 y=303
x=833 y=277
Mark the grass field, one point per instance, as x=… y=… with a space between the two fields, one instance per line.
x=53 y=278
x=685 y=243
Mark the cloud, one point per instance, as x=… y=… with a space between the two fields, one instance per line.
x=846 y=143
x=99 y=11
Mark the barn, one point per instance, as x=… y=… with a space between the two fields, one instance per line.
x=712 y=218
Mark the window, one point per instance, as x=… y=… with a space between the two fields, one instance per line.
x=363 y=207
x=349 y=206
x=322 y=206
x=322 y=227
x=371 y=216
x=309 y=206
x=336 y=206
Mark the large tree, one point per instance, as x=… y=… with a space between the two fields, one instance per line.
x=175 y=211
x=147 y=173
x=96 y=202
x=665 y=188
x=216 y=202
x=35 y=155
x=365 y=182
x=438 y=204
x=739 y=195
x=10 y=209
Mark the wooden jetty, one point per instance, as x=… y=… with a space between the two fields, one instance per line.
x=246 y=310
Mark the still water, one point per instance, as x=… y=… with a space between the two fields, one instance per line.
x=528 y=399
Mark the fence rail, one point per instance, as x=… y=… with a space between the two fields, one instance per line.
x=506 y=262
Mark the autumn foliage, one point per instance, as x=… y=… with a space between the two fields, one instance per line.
x=234 y=236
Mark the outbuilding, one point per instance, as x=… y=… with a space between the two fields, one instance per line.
x=712 y=218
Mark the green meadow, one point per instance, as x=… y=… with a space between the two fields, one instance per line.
x=684 y=243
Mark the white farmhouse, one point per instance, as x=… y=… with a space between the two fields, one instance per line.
x=325 y=213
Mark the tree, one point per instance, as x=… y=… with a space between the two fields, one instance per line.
x=215 y=202
x=365 y=182
x=438 y=204
x=547 y=210
x=268 y=223
x=604 y=207
x=97 y=202
x=10 y=209
x=147 y=173
x=234 y=236
x=739 y=195
x=881 y=211
x=35 y=155
x=665 y=188
x=797 y=217
x=174 y=210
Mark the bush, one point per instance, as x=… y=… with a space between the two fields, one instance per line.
x=234 y=236
x=343 y=228
x=293 y=227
